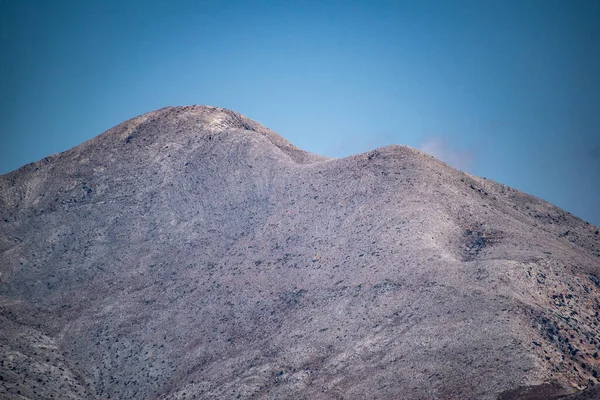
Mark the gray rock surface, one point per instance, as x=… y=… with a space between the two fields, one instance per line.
x=191 y=253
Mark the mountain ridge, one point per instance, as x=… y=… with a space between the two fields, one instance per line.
x=193 y=253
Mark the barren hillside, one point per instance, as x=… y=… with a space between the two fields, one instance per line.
x=191 y=253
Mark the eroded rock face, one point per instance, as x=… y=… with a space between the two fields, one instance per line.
x=191 y=253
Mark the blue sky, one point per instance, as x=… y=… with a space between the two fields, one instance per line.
x=508 y=90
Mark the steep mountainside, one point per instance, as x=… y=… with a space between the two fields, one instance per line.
x=191 y=253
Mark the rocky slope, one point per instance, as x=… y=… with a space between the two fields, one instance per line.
x=191 y=253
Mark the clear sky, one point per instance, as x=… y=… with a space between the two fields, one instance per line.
x=509 y=90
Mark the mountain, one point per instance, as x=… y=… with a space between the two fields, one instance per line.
x=191 y=253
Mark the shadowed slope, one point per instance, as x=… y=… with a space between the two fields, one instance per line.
x=192 y=253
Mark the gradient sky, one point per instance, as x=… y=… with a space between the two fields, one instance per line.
x=509 y=90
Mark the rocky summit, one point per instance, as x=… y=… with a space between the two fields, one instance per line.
x=192 y=253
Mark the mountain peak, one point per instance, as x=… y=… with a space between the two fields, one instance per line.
x=194 y=125
x=213 y=119
x=191 y=252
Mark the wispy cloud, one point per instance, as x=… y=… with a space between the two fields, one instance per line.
x=444 y=150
